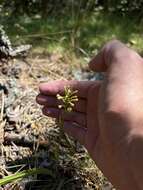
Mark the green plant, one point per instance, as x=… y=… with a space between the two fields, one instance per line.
x=25 y=173
x=68 y=101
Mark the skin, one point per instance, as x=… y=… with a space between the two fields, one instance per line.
x=108 y=118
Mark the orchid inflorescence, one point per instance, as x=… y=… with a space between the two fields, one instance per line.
x=68 y=99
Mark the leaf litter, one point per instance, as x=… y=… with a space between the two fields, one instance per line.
x=30 y=140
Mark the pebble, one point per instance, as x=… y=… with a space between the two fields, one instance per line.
x=86 y=75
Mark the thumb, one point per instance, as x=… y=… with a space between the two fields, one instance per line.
x=97 y=63
x=103 y=59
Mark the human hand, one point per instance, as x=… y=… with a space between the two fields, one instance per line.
x=107 y=119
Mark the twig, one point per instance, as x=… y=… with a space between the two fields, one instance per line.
x=54 y=33
x=2 y=123
x=23 y=141
x=84 y=52
x=2 y=105
x=60 y=185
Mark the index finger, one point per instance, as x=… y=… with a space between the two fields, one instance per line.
x=58 y=87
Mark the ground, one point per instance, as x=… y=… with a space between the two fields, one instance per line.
x=28 y=139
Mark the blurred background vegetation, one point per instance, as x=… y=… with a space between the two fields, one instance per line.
x=81 y=26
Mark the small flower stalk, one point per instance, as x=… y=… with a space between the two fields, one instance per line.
x=68 y=99
x=67 y=103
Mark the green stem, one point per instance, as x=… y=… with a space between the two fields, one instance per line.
x=61 y=123
x=24 y=174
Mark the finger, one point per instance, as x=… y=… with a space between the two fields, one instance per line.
x=58 y=87
x=97 y=63
x=124 y=66
x=75 y=131
x=77 y=117
x=52 y=101
x=102 y=60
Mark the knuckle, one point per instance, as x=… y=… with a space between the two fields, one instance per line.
x=115 y=50
x=113 y=43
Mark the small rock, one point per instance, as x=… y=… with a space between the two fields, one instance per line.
x=87 y=75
